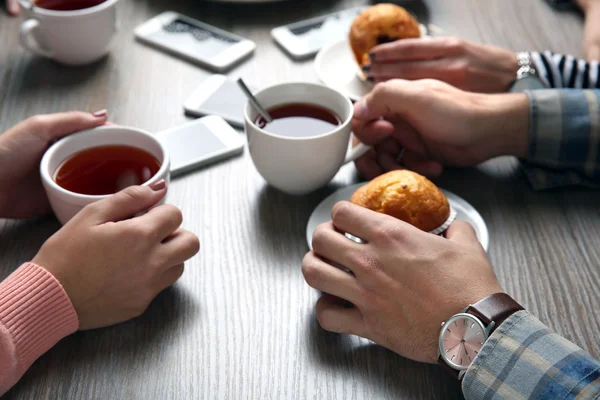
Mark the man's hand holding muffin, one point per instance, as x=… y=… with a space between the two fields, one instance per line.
x=404 y=281
x=437 y=124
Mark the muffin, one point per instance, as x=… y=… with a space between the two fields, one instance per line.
x=407 y=196
x=378 y=24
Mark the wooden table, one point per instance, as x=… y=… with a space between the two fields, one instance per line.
x=241 y=323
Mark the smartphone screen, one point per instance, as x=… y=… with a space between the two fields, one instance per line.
x=222 y=97
x=185 y=37
x=195 y=143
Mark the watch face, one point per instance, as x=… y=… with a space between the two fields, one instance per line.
x=461 y=339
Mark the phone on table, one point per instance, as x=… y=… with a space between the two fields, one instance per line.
x=194 y=41
x=199 y=143
x=305 y=38
x=218 y=95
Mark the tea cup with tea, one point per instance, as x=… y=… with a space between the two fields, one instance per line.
x=91 y=165
x=71 y=32
x=308 y=140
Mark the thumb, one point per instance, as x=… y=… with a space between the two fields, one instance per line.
x=128 y=202
x=462 y=232
x=390 y=98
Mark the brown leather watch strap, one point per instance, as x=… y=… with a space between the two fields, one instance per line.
x=496 y=307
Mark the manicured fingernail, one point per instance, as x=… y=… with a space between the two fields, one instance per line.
x=158 y=186
x=100 y=114
x=372 y=56
x=366 y=68
x=360 y=109
x=13 y=8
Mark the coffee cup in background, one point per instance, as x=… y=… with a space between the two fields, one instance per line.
x=299 y=154
x=66 y=203
x=71 y=32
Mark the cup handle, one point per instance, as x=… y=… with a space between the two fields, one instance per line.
x=27 y=37
x=355 y=152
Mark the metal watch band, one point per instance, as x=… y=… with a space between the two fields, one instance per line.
x=525 y=65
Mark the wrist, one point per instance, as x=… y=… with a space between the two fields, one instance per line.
x=508 y=66
x=505 y=125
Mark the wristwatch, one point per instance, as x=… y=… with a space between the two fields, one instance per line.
x=527 y=76
x=464 y=334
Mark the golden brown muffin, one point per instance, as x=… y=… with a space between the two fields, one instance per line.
x=378 y=24
x=405 y=195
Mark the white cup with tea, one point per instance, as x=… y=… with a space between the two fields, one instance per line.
x=91 y=165
x=308 y=140
x=71 y=32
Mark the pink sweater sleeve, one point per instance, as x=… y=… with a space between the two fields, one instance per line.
x=35 y=313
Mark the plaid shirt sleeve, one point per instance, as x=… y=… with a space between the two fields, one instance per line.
x=564 y=138
x=523 y=359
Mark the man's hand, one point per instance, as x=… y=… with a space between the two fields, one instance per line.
x=437 y=124
x=112 y=265
x=21 y=149
x=466 y=65
x=403 y=283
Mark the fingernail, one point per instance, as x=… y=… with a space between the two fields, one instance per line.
x=360 y=109
x=158 y=186
x=372 y=56
x=100 y=114
x=366 y=68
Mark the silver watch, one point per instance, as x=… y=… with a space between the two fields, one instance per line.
x=527 y=76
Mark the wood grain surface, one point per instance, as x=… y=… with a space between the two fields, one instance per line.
x=240 y=323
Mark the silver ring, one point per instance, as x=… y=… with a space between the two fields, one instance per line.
x=354 y=238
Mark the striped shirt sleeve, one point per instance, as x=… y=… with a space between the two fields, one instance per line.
x=565 y=71
x=523 y=359
x=564 y=138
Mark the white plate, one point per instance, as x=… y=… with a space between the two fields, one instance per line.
x=464 y=211
x=336 y=67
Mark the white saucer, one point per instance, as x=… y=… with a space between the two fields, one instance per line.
x=336 y=67
x=464 y=211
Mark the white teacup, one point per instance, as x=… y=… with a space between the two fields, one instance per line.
x=75 y=37
x=66 y=203
x=300 y=165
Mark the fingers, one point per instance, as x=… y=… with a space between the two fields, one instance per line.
x=169 y=277
x=358 y=221
x=126 y=203
x=415 y=49
x=164 y=220
x=372 y=132
x=56 y=126
x=393 y=98
x=462 y=232
x=179 y=247
x=334 y=246
x=13 y=7
x=367 y=165
x=420 y=165
x=329 y=279
x=333 y=316
x=412 y=70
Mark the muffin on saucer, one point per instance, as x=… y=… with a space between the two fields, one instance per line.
x=378 y=24
x=408 y=196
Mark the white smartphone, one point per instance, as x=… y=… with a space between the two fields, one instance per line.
x=305 y=38
x=195 y=41
x=200 y=142
x=218 y=95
